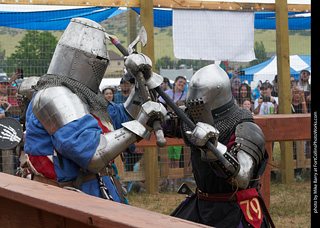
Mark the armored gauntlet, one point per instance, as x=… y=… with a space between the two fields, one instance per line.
x=113 y=143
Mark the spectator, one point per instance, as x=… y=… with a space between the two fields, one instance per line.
x=4 y=105
x=17 y=77
x=165 y=85
x=266 y=104
x=4 y=82
x=298 y=105
x=246 y=103
x=304 y=83
x=12 y=94
x=131 y=153
x=298 y=102
x=108 y=94
x=244 y=94
x=304 y=80
x=293 y=81
x=256 y=91
x=275 y=90
x=122 y=96
x=15 y=110
x=235 y=84
x=178 y=95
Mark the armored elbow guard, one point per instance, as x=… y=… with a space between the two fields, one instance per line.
x=110 y=146
x=227 y=168
x=135 y=100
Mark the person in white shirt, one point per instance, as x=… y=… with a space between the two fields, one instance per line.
x=304 y=80
x=266 y=104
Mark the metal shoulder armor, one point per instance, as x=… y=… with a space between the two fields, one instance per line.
x=250 y=152
x=251 y=140
x=55 y=107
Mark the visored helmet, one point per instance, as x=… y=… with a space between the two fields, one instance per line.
x=81 y=53
x=209 y=90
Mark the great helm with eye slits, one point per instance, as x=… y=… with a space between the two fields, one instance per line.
x=81 y=53
x=209 y=90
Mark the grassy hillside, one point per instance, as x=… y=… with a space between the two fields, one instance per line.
x=300 y=42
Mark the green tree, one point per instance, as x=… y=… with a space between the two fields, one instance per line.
x=2 y=60
x=34 y=53
x=260 y=53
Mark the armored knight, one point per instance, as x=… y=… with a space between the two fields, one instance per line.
x=224 y=182
x=69 y=136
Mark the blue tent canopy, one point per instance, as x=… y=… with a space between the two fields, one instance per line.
x=263 y=20
x=268 y=69
x=59 y=19
x=54 y=19
x=161 y=18
x=296 y=21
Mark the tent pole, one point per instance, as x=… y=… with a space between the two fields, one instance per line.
x=283 y=66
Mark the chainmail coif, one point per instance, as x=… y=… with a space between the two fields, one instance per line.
x=96 y=102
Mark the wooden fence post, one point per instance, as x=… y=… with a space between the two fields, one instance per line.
x=283 y=67
x=7 y=161
x=146 y=20
x=151 y=169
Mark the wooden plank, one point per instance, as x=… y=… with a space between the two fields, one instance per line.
x=152 y=142
x=15 y=214
x=66 y=208
x=176 y=4
x=285 y=130
x=175 y=173
x=285 y=127
x=276 y=165
x=104 y=3
x=215 y=5
x=133 y=176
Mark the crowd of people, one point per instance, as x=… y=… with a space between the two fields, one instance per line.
x=264 y=98
x=9 y=106
x=260 y=101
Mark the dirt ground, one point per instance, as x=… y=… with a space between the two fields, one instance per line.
x=289 y=207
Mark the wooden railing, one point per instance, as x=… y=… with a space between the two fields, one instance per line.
x=25 y=203
x=290 y=127
x=31 y=204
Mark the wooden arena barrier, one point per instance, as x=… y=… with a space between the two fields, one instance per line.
x=26 y=203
